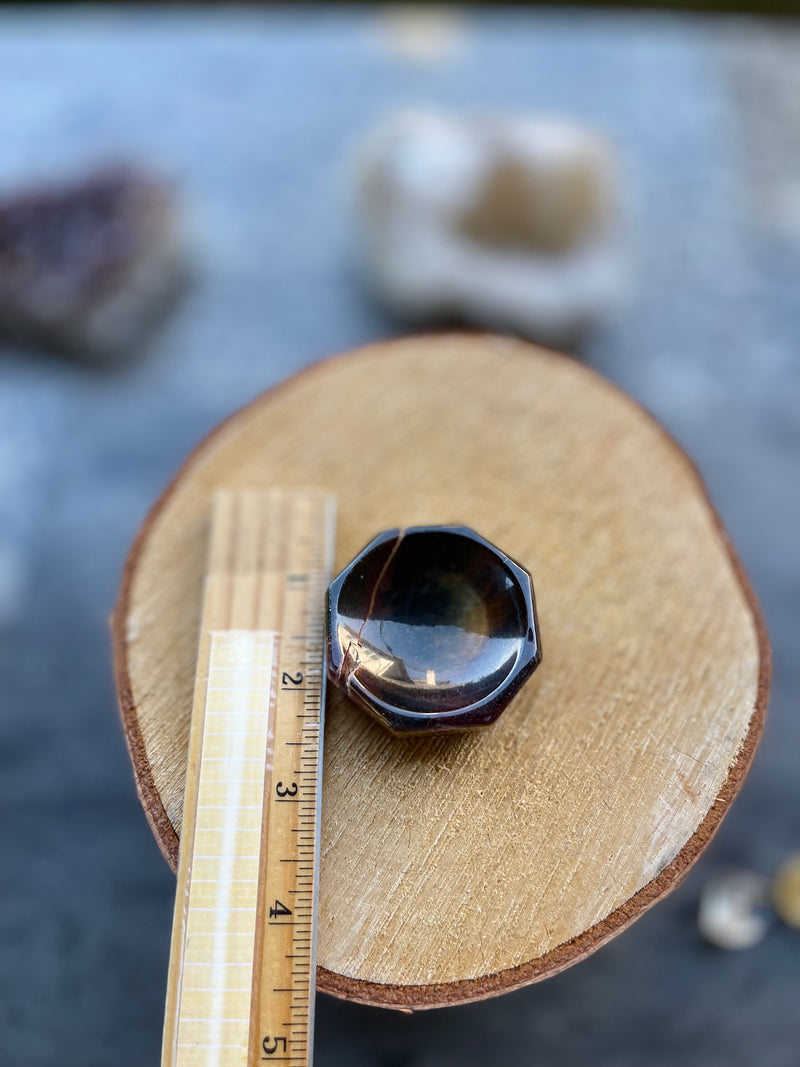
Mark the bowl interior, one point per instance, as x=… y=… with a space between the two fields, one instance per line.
x=437 y=617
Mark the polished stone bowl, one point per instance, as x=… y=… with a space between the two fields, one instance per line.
x=432 y=628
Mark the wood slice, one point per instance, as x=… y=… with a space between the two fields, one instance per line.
x=459 y=867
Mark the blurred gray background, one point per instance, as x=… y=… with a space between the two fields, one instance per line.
x=253 y=113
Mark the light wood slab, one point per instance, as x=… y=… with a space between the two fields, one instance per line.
x=461 y=867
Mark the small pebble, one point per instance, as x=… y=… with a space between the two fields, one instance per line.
x=732 y=913
x=786 y=892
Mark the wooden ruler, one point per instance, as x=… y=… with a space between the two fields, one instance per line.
x=242 y=965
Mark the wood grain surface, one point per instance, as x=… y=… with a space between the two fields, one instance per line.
x=455 y=868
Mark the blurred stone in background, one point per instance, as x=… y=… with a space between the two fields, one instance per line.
x=504 y=221
x=733 y=912
x=89 y=265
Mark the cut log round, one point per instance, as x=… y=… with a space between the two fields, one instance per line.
x=457 y=867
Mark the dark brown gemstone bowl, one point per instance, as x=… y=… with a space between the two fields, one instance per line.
x=431 y=629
